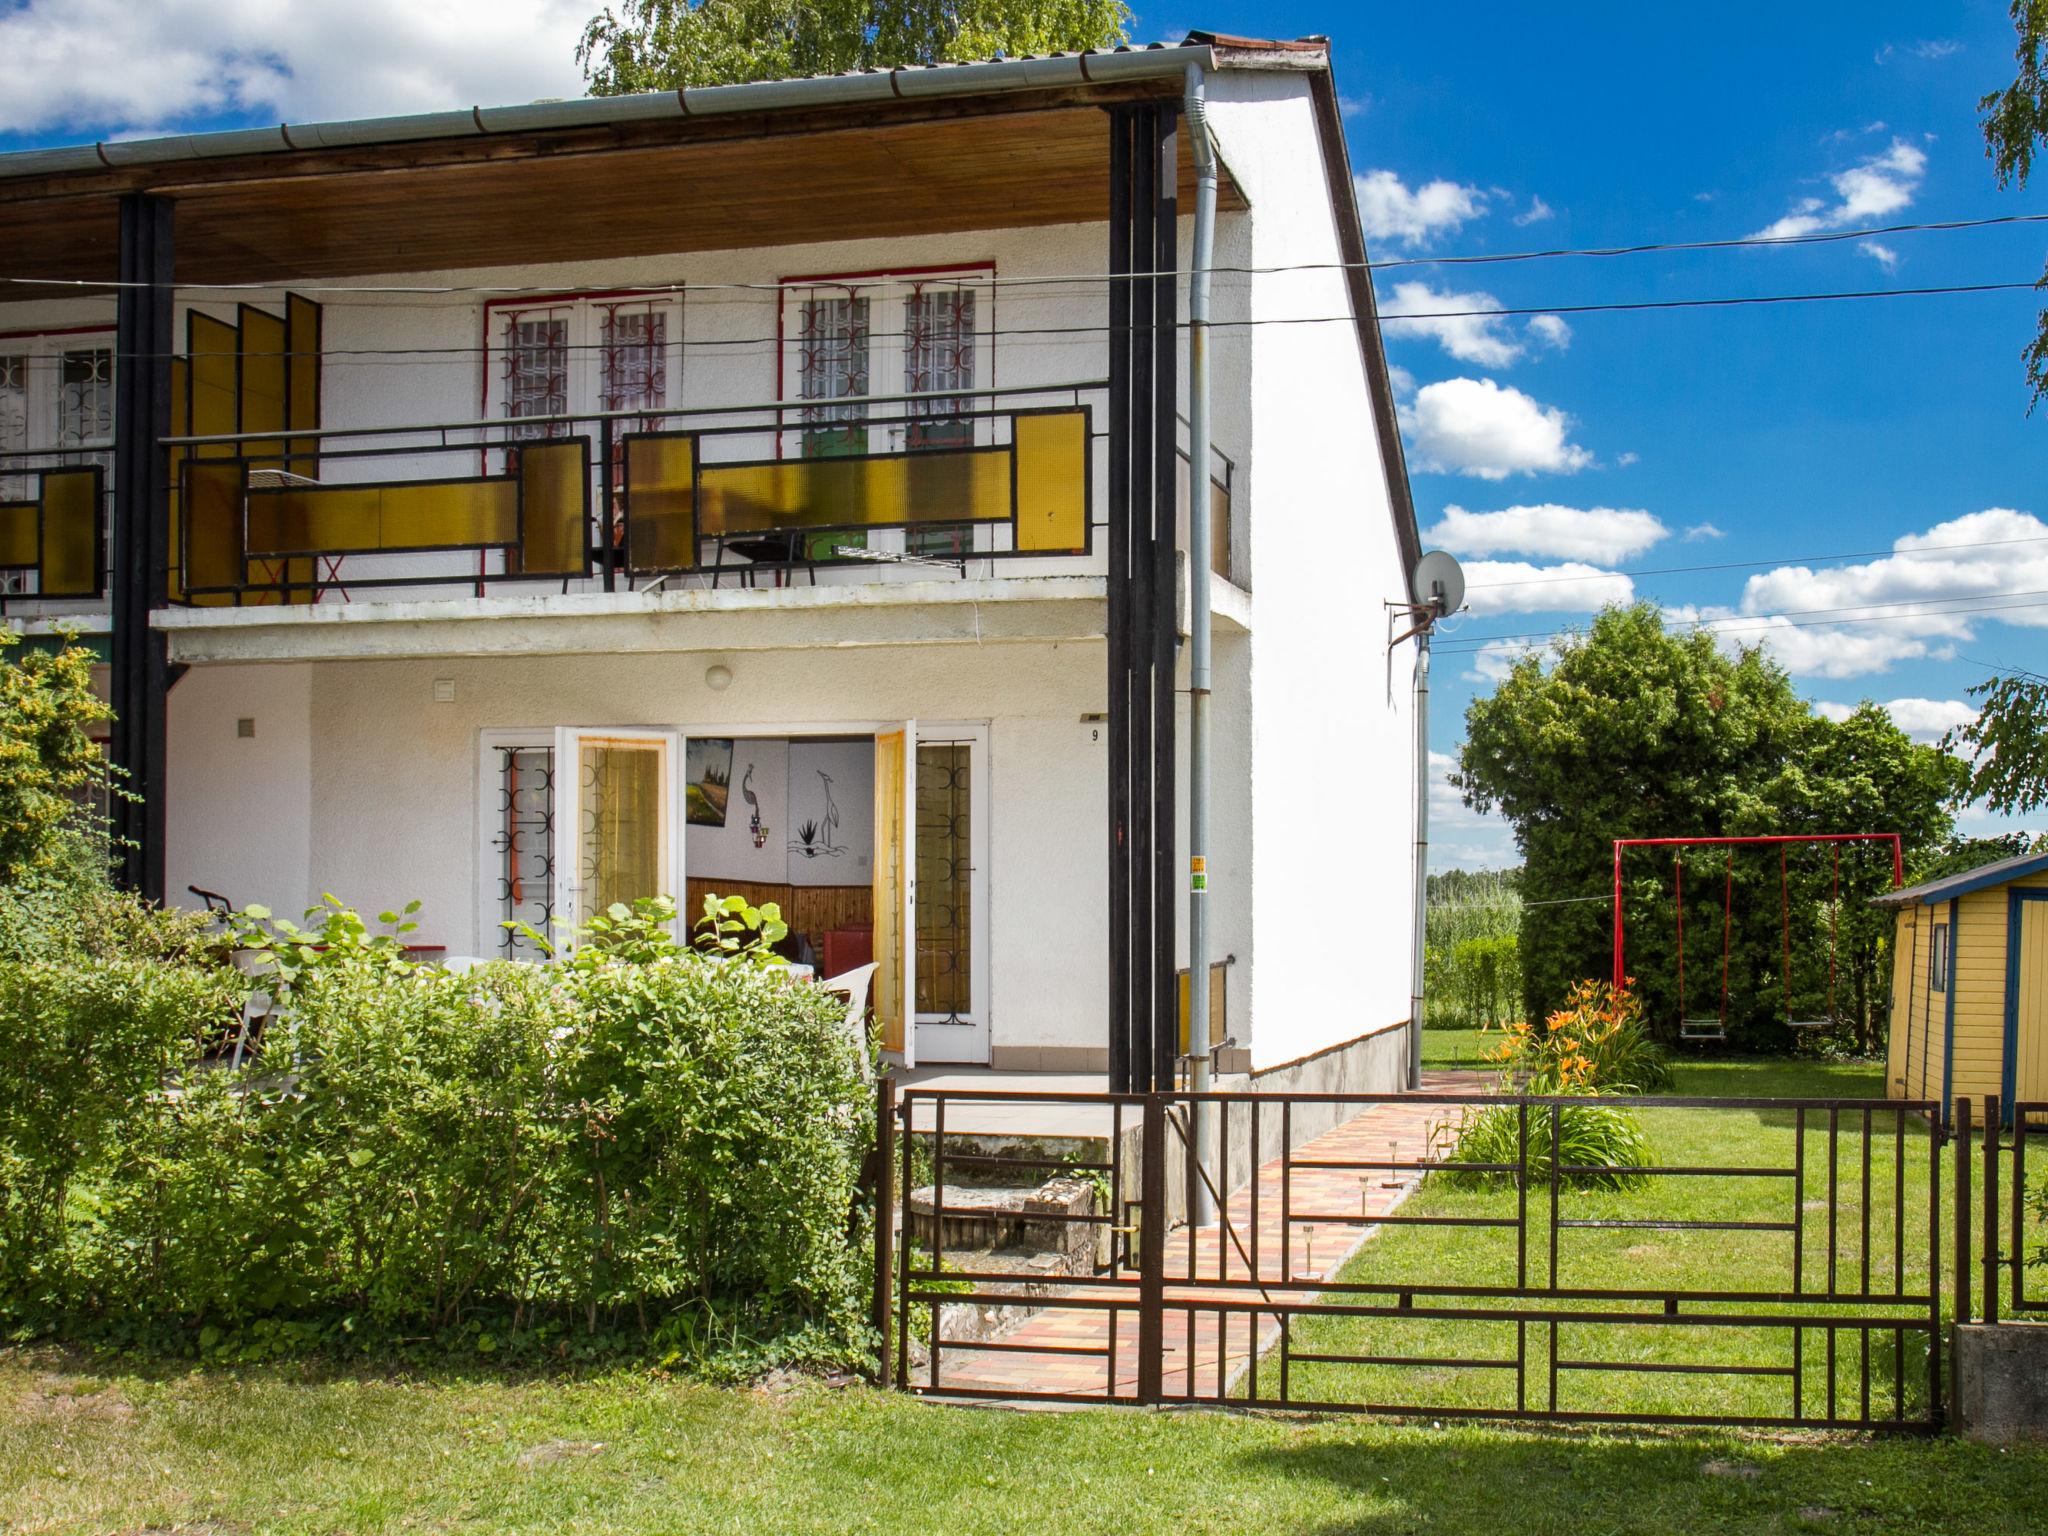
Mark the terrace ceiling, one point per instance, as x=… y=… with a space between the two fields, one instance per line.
x=583 y=195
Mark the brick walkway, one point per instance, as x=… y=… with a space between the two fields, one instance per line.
x=1195 y=1340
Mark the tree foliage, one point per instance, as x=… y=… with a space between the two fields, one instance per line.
x=50 y=766
x=655 y=45
x=2015 y=123
x=2008 y=743
x=1633 y=731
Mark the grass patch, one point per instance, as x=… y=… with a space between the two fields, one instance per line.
x=1651 y=1260
x=1457 y=1048
x=288 y=1451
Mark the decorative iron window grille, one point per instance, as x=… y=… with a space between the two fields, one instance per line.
x=945 y=881
x=525 y=845
x=938 y=353
x=633 y=358
x=85 y=399
x=13 y=421
x=832 y=369
x=537 y=371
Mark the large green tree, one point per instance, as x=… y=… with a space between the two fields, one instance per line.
x=1631 y=730
x=2015 y=126
x=2008 y=744
x=654 y=45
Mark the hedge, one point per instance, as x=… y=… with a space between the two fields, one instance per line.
x=601 y=1146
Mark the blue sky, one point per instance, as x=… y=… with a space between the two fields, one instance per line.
x=1604 y=443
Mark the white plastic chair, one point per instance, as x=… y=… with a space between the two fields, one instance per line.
x=855 y=984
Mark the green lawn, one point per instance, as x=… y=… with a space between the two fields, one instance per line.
x=279 y=1451
x=1443 y=1047
x=1652 y=1260
x=89 y=1447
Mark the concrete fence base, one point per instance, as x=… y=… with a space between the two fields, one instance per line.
x=2001 y=1382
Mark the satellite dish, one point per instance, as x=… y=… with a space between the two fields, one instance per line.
x=1439 y=583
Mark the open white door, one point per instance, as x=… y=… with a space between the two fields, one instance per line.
x=949 y=800
x=895 y=893
x=618 y=819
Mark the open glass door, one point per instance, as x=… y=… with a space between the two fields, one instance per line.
x=617 y=819
x=895 y=894
x=949 y=797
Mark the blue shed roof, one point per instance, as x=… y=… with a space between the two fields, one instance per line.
x=1981 y=878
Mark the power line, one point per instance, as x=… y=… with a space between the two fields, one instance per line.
x=1799 y=618
x=1093 y=328
x=992 y=280
x=1939 y=551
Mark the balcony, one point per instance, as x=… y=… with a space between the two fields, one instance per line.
x=968 y=484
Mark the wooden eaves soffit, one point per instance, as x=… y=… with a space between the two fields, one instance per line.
x=896 y=168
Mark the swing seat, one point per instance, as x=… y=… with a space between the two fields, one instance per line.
x=1709 y=1028
x=1809 y=1023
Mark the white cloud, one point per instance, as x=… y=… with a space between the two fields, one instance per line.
x=1460 y=837
x=113 y=66
x=1606 y=534
x=1872 y=188
x=1925 y=720
x=1882 y=254
x=1914 y=604
x=1390 y=211
x=1477 y=427
x=1699 y=531
x=1517 y=586
x=1550 y=331
x=1926 y=48
x=1481 y=339
x=1414 y=309
x=1492 y=662
x=1627 y=457
x=1537 y=211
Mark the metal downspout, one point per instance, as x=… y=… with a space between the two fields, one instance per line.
x=1202 y=1204
x=1421 y=920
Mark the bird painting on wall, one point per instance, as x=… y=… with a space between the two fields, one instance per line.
x=818 y=836
x=756 y=828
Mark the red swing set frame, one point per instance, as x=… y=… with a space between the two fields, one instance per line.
x=1783 y=841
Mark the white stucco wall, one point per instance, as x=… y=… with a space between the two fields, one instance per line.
x=241 y=815
x=394 y=802
x=1331 y=772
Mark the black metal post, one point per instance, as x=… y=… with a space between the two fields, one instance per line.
x=1165 y=600
x=140 y=674
x=1964 y=1257
x=1152 y=1252
x=1119 y=603
x=885 y=1225
x=1146 y=1068
x=1992 y=1119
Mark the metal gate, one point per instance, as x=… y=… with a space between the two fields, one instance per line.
x=1802 y=1289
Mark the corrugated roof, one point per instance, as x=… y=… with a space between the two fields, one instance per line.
x=1983 y=877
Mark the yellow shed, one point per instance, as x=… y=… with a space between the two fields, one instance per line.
x=1970 y=985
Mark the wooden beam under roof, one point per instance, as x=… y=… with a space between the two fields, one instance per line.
x=641 y=191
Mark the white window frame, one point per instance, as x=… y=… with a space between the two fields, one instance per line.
x=584 y=341
x=43 y=354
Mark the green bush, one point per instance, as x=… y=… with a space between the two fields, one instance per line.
x=595 y=1146
x=1471 y=951
x=1588 y=1135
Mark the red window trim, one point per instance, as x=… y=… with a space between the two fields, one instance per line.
x=849 y=279
x=516 y=302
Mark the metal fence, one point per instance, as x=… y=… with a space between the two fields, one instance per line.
x=2001 y=1256
x=1801 y=1290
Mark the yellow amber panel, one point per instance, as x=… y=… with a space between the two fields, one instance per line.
x=71 y=524
x=213 y=524
x=554 y=507
x=661 y=508
x=1052 y=480
x=17 y=535
x=968 y=485
x=365 y=519
x=262 y=382
x=211 y=346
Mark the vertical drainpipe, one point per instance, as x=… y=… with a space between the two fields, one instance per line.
x=1421 y=918
x=1202 y=1206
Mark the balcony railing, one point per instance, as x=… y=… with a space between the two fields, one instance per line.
x=53 y=522
x=617 y=500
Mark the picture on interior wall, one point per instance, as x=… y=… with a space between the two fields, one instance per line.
x=817 y=837
x=708 y=769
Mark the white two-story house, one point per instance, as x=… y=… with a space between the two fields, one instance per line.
x=780 y=489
